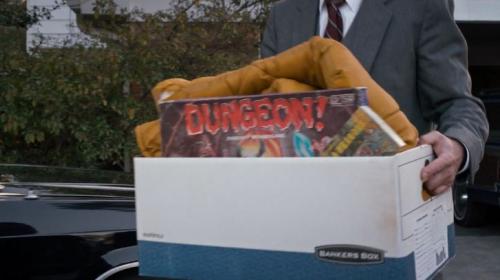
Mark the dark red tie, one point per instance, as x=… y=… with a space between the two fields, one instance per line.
x=334 y=27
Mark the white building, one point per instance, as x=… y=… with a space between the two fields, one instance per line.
x=477 y=10
x=61 y=29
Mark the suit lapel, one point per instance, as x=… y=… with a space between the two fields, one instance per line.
x=305 y=22
x=365 y=36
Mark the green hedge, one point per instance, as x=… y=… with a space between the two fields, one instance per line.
x=78 y=106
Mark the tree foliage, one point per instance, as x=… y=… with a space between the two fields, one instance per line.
x=78 y=105
x=14 y=13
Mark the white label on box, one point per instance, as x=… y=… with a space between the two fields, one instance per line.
x=431 y=241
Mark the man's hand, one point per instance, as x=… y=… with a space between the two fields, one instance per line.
x=440 y=174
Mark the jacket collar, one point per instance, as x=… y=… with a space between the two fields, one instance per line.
x=367 y=32
x=365 y=35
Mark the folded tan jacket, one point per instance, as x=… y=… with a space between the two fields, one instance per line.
x=316 y=64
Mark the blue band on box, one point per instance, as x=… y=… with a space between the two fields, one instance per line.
x=208 y=262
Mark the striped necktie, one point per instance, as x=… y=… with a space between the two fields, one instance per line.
x=334 y=27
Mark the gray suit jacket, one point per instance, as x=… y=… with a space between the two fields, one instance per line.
x=413 y=49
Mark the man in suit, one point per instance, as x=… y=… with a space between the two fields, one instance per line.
x=415 y=51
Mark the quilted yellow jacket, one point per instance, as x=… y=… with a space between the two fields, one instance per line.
x=316 y=64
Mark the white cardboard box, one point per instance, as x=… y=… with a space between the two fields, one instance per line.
x=291 y=218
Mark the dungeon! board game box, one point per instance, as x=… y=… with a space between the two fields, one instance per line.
x=334 y=122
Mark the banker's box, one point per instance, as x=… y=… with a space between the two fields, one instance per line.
x=291 y=218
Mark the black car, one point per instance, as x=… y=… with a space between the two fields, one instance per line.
x=61 y=223
x=476 y=200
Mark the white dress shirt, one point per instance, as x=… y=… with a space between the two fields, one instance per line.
x=348 y=11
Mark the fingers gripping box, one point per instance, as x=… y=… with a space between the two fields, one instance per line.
x=291 y=218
